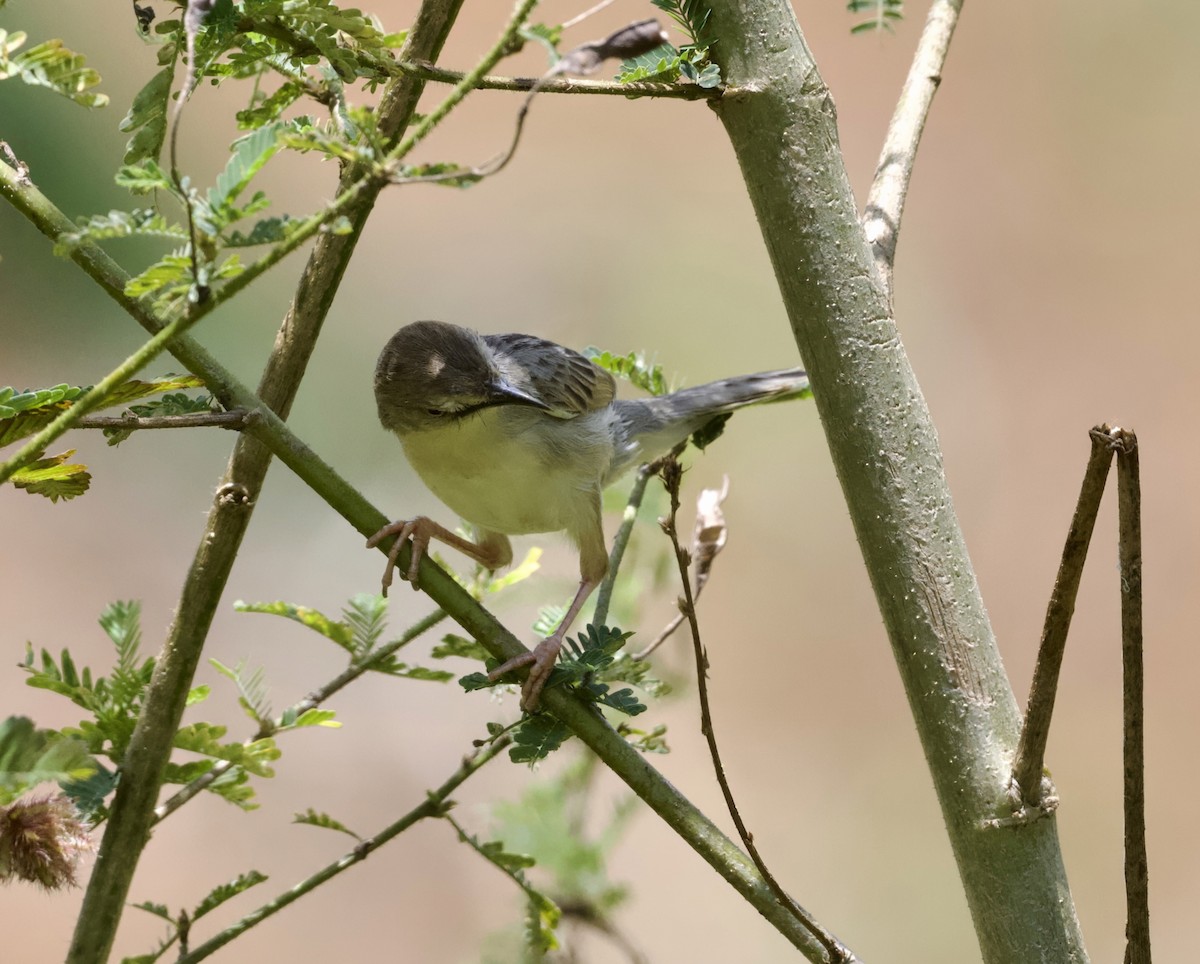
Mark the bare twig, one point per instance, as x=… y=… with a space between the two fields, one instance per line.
x=434 y=805
x=1031 y=750
x=235 y=419
x=671 y=474
x=563 y=85
x=630 y=41
x=1129 y=505
x=885 y=202
x=579 y=18
x=708 y=539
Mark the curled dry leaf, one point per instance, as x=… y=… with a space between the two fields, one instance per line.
x=630 y=41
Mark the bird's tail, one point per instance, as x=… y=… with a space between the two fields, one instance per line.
x=653 y=426
x=728 y=394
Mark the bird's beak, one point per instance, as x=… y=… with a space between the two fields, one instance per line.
x=504 y=392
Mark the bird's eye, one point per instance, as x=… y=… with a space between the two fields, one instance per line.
x=435 y=412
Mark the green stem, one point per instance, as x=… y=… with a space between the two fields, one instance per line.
x=884 y=447
x=621 y=543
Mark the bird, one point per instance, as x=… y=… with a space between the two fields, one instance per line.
x=519 y=435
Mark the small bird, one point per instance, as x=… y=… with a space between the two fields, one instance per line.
x=518 y=435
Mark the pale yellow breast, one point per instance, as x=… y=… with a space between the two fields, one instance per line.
x=497 y=470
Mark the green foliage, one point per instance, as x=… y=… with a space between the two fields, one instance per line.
x=589 y=664
x=146 y=119
x=183 y=920
x=547 y=823
x=218 y=895
x=883 y=13
x=548 y=618
x=358 y=633
x=667 y=65
x=29 y=756
x=453 y=645
x=549 y=37
x=173 y=404
x=23 y=413
x=536 y=737
x=647 y=741
x=53 y=477
x=543 y=914
x=114 y=702
x=252 y=690
x=315 y=819
x=88 y=795
x=634 y=368
x=252 y=756
x=338 y=632
x=27 y=412
x=691 y=17
x=219 y=208
x=497 y=582
x=50 y=65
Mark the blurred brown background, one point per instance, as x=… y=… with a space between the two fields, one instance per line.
x=1041 y=288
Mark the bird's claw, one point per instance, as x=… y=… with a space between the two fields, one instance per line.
x=418 y=530
x=540 y=660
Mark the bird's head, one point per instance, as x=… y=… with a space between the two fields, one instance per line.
x=430 y=373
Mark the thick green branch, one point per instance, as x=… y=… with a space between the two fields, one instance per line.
x=884 y=446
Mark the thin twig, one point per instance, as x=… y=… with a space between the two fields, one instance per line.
x=621 y=542
x=885 y=202
x=562 y=85
x=708 y=538
x=671 y=474
x=1031 y=750
x=579 y=18
x=1129 y=511
x=235 y=419
x=311 y=701
x=434 y=805
x=634 y=39
x=507 y=869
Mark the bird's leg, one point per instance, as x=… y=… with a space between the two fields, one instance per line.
x=492 y=551
x=593 y=564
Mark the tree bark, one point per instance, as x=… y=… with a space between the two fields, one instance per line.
x=780 y=118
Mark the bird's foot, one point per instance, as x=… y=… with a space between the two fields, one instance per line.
x=540 y=660
x=421 y=530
